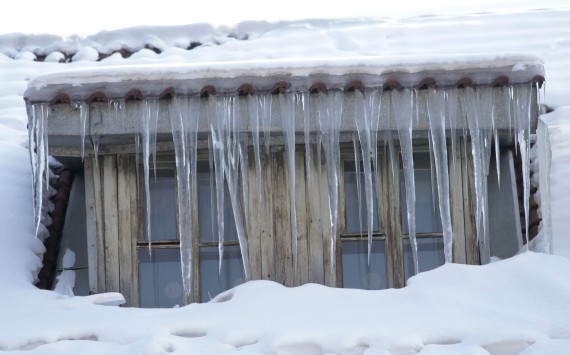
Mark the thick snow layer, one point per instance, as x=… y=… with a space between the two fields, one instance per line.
x=519 y=305
x=504 y=307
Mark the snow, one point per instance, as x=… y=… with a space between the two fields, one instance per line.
x=509 y=306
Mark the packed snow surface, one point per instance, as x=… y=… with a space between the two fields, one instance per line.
x=520 y=305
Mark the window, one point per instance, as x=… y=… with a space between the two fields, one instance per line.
x=356 y=271
x=160 y=276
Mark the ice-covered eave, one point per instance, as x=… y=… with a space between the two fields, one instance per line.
x=297 y=74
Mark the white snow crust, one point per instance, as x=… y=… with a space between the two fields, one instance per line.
x=520 y=305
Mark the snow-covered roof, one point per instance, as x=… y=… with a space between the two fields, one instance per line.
x=517 y=305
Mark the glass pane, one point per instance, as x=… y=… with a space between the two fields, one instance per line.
x=428 y=219
x=162 y=206
x=212 y=282
x=160 y=278
x=354 y=224
x=207 y=208
x=430 y=255
x=355 y=270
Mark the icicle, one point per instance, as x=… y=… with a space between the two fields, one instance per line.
x=184 y=122
x=522 y=97
x=265 y=101
x=287 y=105
x=38 y=147
x=432 y=171
x=212 y=186
x=451 y=113
x=232 y=163
x=254 y=106
x=218 y=132
x=478 y=106
x=494 y=108
x=330 y=108
x=148 y=132
x=402 y=112
x=242 y=143
x=83 y=116
x=436 y=113
x=358 y=179
x=366 y=114
x=305 y=108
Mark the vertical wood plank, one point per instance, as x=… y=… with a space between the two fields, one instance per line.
x=136 y=222
x=314 y=222
x=394 y=238
x=302 y=271
x=110 y=212
x=282 y=213
x=472 y=248
x=328 y=259
x=255 y=220
x=195 y=283
x=91 y=226
x=124 y=229
x=100 y=224
x=266 y=228
x=457 y=211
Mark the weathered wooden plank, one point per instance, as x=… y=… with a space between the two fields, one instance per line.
x=471 y=245
x=110 y=212
x=91 y=226
x=457 y=211
x=314 y=221
x=99 y=222
x=392 y=214
x=255 y=220
x=136 y=222
x=124 y=229
x=282 y=215
x=302 y=270
x=328 y=257
x=266 y=227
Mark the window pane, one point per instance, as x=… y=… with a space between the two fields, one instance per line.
x=428 y=219
x=160 y=278
x=208 y=211
x=355 y=270
x=354 y=224
x=430 y=255
x=162 y=206
x=212 y=282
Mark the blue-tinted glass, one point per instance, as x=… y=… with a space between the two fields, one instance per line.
x=355 y=270
x=162 y=191
x=430 y=255
x=428 y=219
x=354 y=224
x=160 y=278
x=208 y=220
x=213 y=282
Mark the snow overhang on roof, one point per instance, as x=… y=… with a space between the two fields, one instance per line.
x=118 y=82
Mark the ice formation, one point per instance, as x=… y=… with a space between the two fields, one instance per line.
x=236 y=122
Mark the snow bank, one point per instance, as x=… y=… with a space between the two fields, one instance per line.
x=500 y=308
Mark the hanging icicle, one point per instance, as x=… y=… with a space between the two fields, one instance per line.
x=522 y=99
x=330 y=107
x=184 y=120
x=287 y=105
x=38 y=149
x=436 y=113
x=148 y=132
x=402 y=112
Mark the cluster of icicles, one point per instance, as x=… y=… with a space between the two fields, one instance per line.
x=228 y=150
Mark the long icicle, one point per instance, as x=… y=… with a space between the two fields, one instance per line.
x=402 y=111
x=436 y=113
x=287 y=105
x=329 y=123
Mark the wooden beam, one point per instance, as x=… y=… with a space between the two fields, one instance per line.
x=91 y=226
x=110 y=213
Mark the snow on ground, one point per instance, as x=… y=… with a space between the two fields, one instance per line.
x=520 y=305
